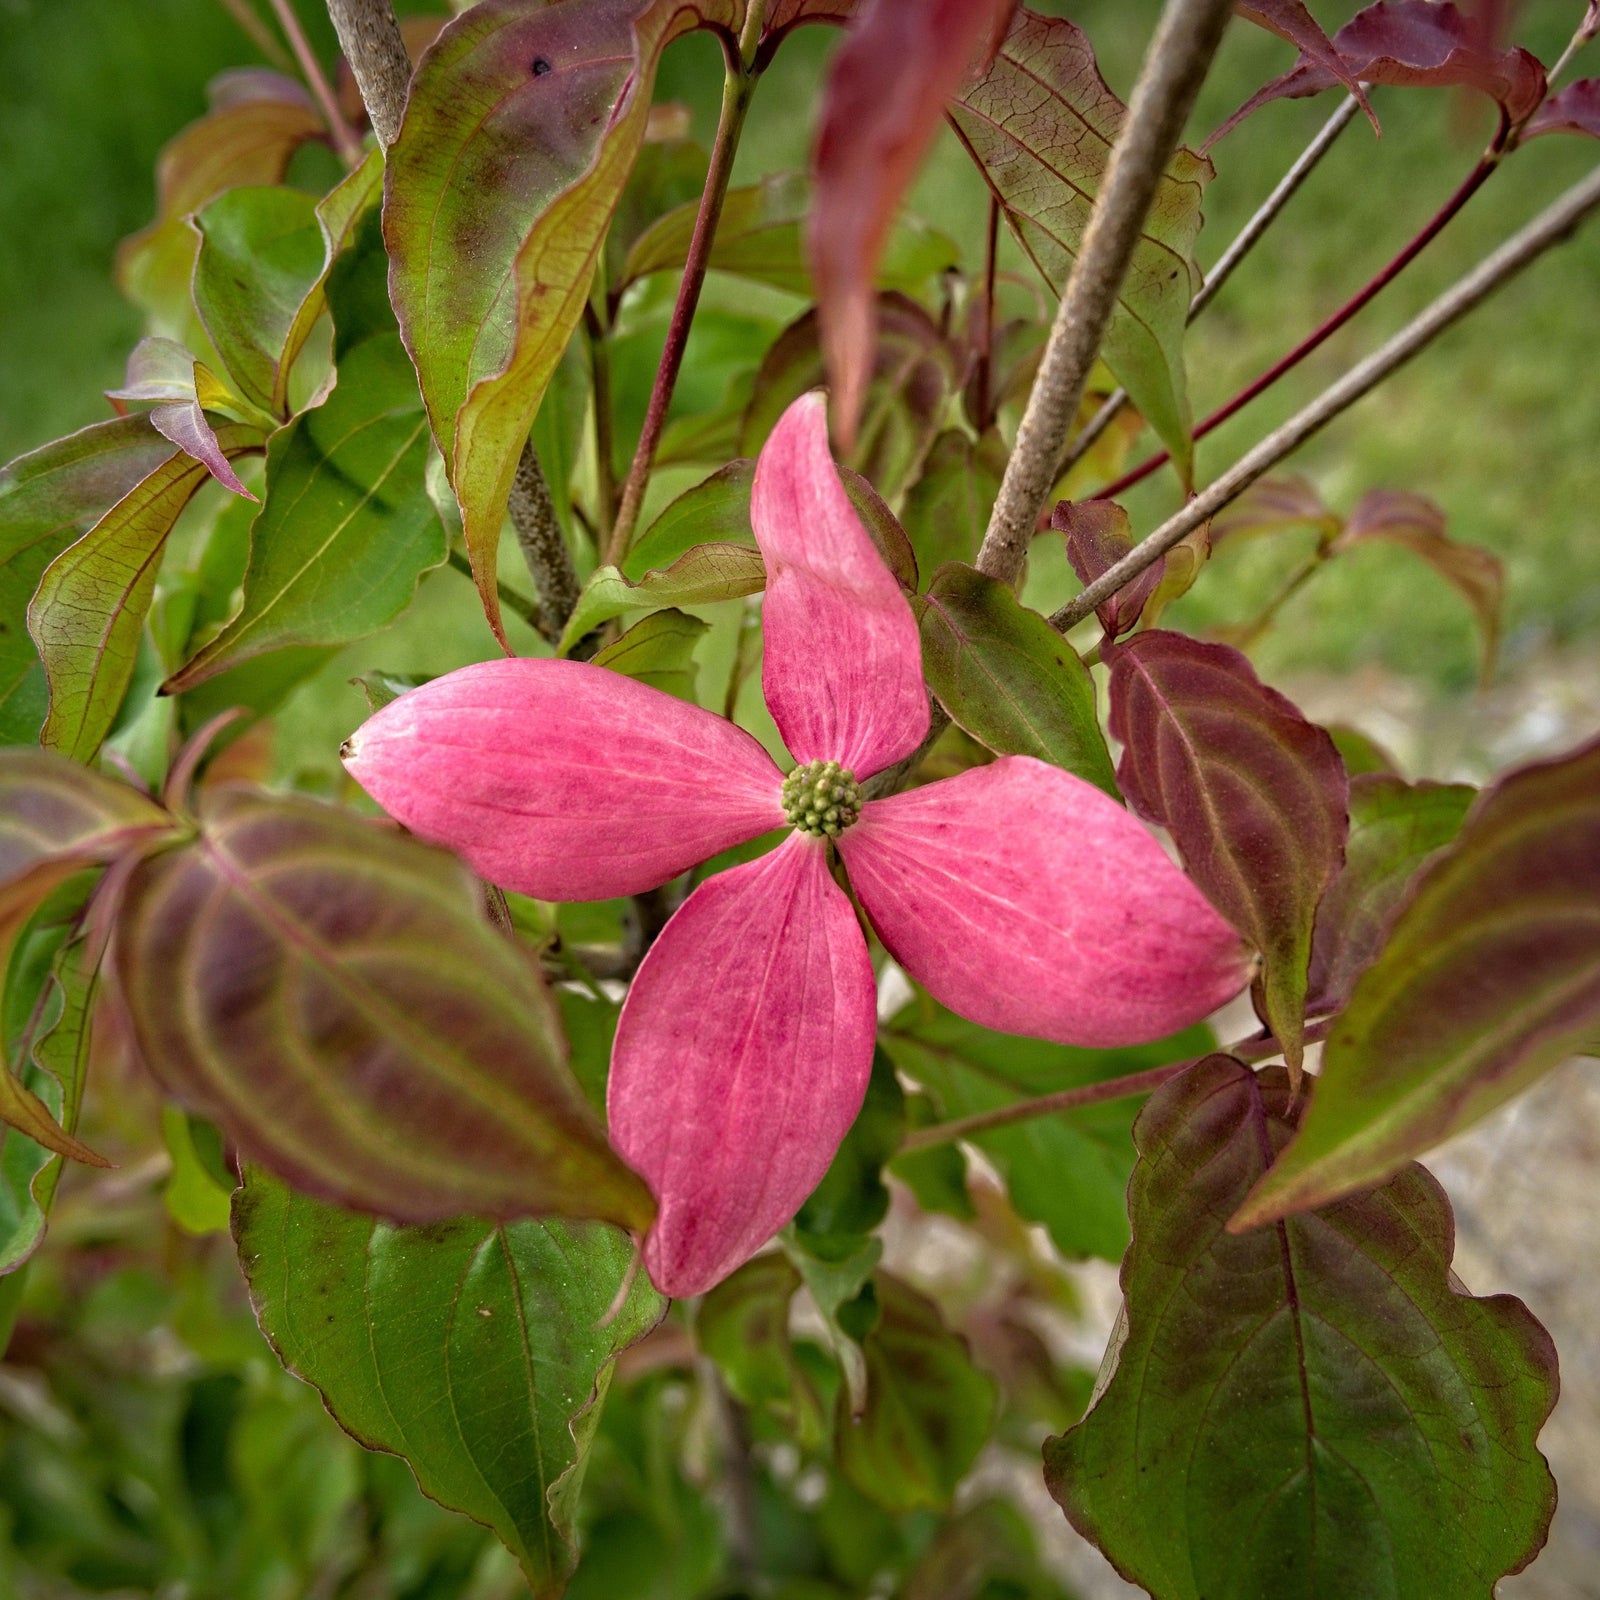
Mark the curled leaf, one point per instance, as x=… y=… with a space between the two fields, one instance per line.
x=1254 y=795
x=707 y=573
x=1098 y=536
x=353 y=1023
x=1490 y=977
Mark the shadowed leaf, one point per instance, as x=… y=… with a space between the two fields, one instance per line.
x=1041 y=124
x=1315 y=1408
x=1489 y=978
x=48 y=499
x=1576 y=109
x=522 y=126
x=476 y=1352
x=1007 y=677
x=885 y=93
x=352 y=1022
x=89 y=611
x=1394 y=828
x=1254 y=796
x=947 y=509
x=707 y=573
x=1392 y=516
x=1412 y=43
x=1272 y=505
x=1098 y=536
x=743 y=1325
x=928 y=1409
x=659 y=651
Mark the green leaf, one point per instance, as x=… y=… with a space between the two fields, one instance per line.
x=928 y=1409
x=521 y=128
x=841 y=1288
x=92 y=601
x=48 y=499
x=1041 y=124
x=353 y=1022
x=1254 y=796
x=196 y=1197
x=987 y=1552
x=1007 y=677
x=1490 y=977
x=717 y=508
x=261 y=254
x=1394 y=828
x=346 y=530
x=701 y=576
x=743 y=1326
x=1068 y=1171
x=1313 y=1409
x=947 y=509
x=852 y=1198
x=659 y=651
x=477 y=1352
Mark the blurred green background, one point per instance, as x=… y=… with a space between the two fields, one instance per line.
x=149 y=1443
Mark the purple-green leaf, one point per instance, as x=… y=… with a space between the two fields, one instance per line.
x=481 y=1354
x=1254 y=796
x=1007 y=677
x=47 y=500
x=1098 y=536
x=353 y=1022
x=1041 y=124
x=92 y=601
x=1292 y=20
x=1490 y=977
x=1394 y=827
x=521 y=129
x=1315 y=1409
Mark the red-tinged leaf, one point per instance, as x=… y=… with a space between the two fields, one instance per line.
x=1290 y=20
x=249 y=137
x=56 y=819
x=1316 y=1409
x=521 y=128
x=1098 y=536
x=93 y=598
x=913 y=377
x=184 y=422
x=1412 y=43
x=1254 y=796
x=353 y=1023
x=1490 y=977
x=1394 y=828
x=885 y=94
x=1576 y=109
x=1392 y=516
x=1041 y=124
x=48 y=499
x=1271 y=506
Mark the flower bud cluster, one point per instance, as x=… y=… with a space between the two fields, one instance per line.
x=821 y=798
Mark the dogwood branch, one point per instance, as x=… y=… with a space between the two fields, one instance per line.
x=1184 y=43
x=1550 y=227
x=1247 y=238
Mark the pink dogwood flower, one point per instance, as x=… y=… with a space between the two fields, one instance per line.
x=1018 y=895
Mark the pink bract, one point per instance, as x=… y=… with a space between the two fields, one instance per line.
x=1017 y=894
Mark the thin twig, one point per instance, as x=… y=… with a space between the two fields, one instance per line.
x=257 y=32
x=605 y=466
x=738 y=89
x=1550 y=227
x=343 y=135
x=1585 y=31
x=544 y=546
x=372 y=44
x=1435 y=225
x=1184 y=43
x=1247 y=238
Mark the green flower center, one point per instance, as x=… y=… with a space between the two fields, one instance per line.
x=821 y=798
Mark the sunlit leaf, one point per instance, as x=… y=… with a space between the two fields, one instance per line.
x=1394 y=827
x=659 y=650
x=1068 y=1171
x=1315 y=1408
x=522 y=125
x=47 y=500
x=1007 y=677
x=353 y=1022
x=1490 y=977
x=197 y=1195
x=481 y=1354
x=707 y=573
x=1041 y=124
x=1098 y=536
x=1392 y=516
x=90 y=608
x=1254 y=796
x=928 y=1410
x=882 y=103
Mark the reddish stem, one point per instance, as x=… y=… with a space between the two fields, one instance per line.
x=343 y=136
x=1469 y=187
